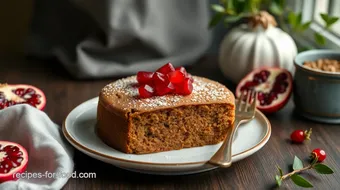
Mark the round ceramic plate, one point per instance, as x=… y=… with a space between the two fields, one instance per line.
x=79 y=130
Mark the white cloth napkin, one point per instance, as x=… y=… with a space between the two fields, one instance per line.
x=43 y=140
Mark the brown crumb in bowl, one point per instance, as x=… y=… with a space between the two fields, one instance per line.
x=329 y=65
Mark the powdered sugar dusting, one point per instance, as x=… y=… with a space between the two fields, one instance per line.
x=124 y=92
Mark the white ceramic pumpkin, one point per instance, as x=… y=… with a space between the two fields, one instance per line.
x=255 y=45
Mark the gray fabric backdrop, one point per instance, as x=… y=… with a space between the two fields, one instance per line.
x=108 y=38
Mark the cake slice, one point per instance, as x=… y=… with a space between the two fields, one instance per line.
x=136 y=125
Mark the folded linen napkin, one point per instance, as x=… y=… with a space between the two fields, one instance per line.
x=48 y=153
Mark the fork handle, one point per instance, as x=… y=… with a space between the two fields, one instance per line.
x=223 y=156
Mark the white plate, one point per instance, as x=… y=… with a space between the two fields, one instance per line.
x=79 y=130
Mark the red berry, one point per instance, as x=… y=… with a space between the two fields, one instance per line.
x=167 y=68
x=164 y=89
x=145 y=91
x=144 y=77
x=319 y=153
x=176 y=77
x=297 y=136
x=185 y=88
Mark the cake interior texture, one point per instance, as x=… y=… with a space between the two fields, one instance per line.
x=166 y=129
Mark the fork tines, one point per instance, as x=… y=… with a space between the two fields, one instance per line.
x=247 y=100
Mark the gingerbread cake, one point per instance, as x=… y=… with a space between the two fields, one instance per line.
x=137 y=125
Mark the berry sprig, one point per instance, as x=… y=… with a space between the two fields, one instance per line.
x=317 y=156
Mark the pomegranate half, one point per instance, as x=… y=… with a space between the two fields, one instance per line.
x=13 y=159
x=274 y=86
x=12 y=94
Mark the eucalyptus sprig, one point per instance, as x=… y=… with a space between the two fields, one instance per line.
x=232 y=11
x=298 y=167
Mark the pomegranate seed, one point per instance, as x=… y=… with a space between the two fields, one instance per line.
x=264 y=75
x=176 y=77
x=145 y=91
x=160 y=79
x=19 y=91
x=167 y=68
x=144 y=77
x=182 y=70
x=272 y=96
x=29 y=91
x=164 y=89
x=319 y=153
x=281 y=76
x=185 y=88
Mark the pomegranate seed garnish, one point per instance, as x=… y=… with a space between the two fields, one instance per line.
x=145 y=91
x=185 y=88
x=182 y=70
x=319 y=153
x=165 y=69
x=164 y=81
x=160 y=79
x=144 y=77
x=176 y=77
x=164 y=89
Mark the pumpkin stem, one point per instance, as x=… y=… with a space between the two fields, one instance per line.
x=262 y=18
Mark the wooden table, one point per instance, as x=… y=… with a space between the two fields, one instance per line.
x=255 y=172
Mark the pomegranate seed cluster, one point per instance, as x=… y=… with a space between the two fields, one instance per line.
x=29 y=96
x=166 y=80
x=280 y=85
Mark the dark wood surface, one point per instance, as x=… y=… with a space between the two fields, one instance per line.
x=255 y=172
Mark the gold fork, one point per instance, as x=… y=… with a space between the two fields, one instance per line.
x=244 y=112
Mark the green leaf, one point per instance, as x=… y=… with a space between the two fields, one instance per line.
x=323 y=169
x=324 y=17
x=297 y=164
x=215 y=20
x=305 y=26
x=230 y=4
x=331 y=21
x=300 y=181
x=218 y=8
x=298 y=19
x=278 y=180
x=240 y=6
x=231 y=18
x=275 y=9
x=292 y=19
x=320 y=39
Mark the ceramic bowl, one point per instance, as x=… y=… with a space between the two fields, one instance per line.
x=317 y=93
